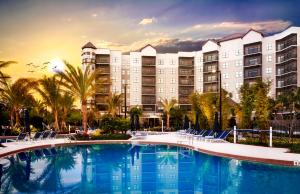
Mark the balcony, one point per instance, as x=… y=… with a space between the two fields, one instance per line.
x=100 y=99
x=102 y=59
x=186 y=62
x=252 y=75
x=286 y=83
x=185 y=92
x=103 y=90
x=286 y=43
x=208 y=79
x=188 y=82
x=252 y=62
x=148 y=108
x=186 y=72
x=148 y=90
x=252 y=50
x=286 y=57
x=211 y=87
x=286 y=69
x=148 y=61
x=147 y=81
x=210 y=58
x=184 y=100
x=101 y=70
x=148 y=100
x=148 y=71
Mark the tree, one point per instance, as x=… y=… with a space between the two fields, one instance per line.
x=17 y=95
x=247 y=99
x=168 y=106
x=66 y=105
x=50 y=90
x=4 y=64
x=261 y=106
x=81 y=84
x=176 y=117
x=114 y=101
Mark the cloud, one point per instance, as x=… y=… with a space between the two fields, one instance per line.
x=224 y=28
x=94 y=15
x=147 y=21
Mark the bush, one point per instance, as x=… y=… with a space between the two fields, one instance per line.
x=117 y=136
x=82 y=136
x=110 y=124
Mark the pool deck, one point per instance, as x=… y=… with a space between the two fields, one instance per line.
x=278 y=156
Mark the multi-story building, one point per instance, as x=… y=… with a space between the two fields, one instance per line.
x=239 y=58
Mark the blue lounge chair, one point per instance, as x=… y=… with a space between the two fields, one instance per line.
x=38 y=153
x=52 y=135
x=46 y=134
x=21 y=137
x=37 y=136
x=222 y=137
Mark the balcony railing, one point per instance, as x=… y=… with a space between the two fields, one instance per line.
x=252 y=50
x=103 y=90
x=185 y=92
x=148 y=81
x=286 y=69
x=101 y=70
x=102 y=60
x=186 y=82
x=184 y=72
x=148 y=108
x=250 y=75
x=286 y=83
x=285 y=57
x=148 y=72
x=147 y=100
x=210 y=58
x=252 y=62
x=148 y=61
x=210 y=79
x=284 y=45
x=150 y=91
x=100 y=99
x=184 y=100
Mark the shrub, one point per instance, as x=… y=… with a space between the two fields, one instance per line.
x=82 y=136
x=111 y=137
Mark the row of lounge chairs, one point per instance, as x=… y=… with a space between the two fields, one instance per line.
x=39 y=153
x=207 y=135
x=48 y=134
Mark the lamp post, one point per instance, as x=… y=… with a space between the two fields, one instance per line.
x=125 y=99
x=220 y=95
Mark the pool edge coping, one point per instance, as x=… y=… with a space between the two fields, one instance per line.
x=205 y=151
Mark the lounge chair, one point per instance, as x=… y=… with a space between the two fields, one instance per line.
x=221 y=137
x=23 y=156
x=21 y=137
x=37 y=136
x=46 y=134
x=38 y=153
x=52 y=135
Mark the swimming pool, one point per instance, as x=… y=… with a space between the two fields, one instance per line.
x=126 y=168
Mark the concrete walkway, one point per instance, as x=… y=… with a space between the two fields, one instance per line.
x=278 y=156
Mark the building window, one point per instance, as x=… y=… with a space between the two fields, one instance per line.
x=225 y=55
x=237 y=52
x=135 y=89
x=160 y=62
x=238 y=85
x=123 y=72
x=136 y=80
x=161 y=90
x=269 y=58
x=160 y=71
x=200 y=69
x=115 y=59
x=238 y=74
x=173 y=81
x=269 y=70
x=269 y=46
x=172 y=62
x=135 y=69
x=225 y=75
x=123 y=81
x=225 y=65
x=160 y=80
x=135 y=60
x=172 y=71
x=200 y=79
x=238 y=63
x=225 y=86
x=172 y=90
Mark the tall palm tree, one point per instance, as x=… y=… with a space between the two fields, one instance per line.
x=4 y=64
x=114 y=101
x=81 y=84
x=167 y=106
x=50 y=90
x=17 y=95
x=66 y=105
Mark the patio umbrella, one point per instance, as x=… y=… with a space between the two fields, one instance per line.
x=186 y=122
x=197 y=121
x=132 y=127
x=137 y=122
x=216 y=125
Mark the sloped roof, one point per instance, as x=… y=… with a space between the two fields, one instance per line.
x=238 y=35
x=147 y=46
x=88 y=45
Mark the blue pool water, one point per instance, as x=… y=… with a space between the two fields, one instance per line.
x=139 y=169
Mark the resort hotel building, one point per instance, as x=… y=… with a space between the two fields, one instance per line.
x=147 y=76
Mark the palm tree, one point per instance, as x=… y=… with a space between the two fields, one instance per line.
x=81 y=84
x=66 y=104
x=114 y=102
x=167 y=106
x=16 y=96
x=4 y=64
x=50 y=91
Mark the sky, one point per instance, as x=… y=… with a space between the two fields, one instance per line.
x=38 y=31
